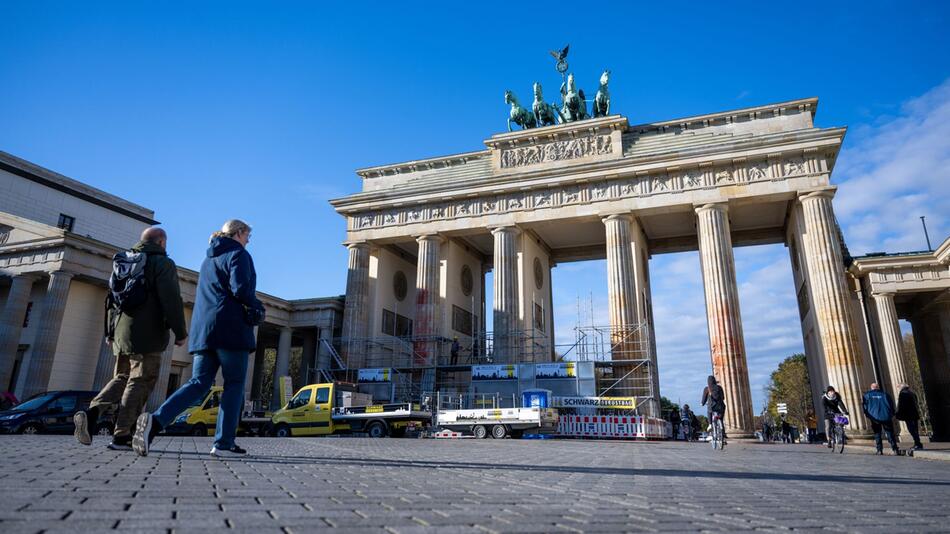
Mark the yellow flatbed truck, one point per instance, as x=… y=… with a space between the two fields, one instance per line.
x=321 y=410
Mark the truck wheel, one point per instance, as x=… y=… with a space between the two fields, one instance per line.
x=199 y=430
x=499 y=432
x=376 y=429
x=30 y=428
x=282 y=431
x=480 y=431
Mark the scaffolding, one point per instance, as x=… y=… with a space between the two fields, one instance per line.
x=426 y=366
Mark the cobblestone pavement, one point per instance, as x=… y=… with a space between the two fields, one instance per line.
x=49 y=483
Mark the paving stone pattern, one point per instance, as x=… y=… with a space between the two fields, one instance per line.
x=52 y=484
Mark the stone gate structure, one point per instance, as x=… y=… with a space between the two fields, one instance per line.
x=604 y=188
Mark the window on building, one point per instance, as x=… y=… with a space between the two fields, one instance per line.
x=538 y=317
x=462 y=321
x=396 y=325
x=66 y=222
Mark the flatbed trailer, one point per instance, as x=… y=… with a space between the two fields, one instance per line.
x=499 y=422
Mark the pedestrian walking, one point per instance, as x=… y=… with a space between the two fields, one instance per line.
x=675 y=421
x=908 y=412
x=879 y=408
x=786 y=431
x=144 y=303
x=222 y=327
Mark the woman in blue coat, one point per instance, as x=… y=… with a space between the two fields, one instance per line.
x=222 y=335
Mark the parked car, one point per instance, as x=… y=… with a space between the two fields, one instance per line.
x=52 y=413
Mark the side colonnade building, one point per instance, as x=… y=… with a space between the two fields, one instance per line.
x=57 y=239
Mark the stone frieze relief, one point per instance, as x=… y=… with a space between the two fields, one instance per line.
x=656 y=183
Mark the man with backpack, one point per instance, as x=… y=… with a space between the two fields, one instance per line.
x=144 y=302
x=879 y=407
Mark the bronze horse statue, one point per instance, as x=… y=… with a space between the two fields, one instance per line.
x=602 y=99
x=518 y=114
x=544 y=113
x=574 y=106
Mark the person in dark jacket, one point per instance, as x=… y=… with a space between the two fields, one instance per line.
x=675 y=421
x=222 y=335
x=832 y=404
x=138 y=340
x=879 y=408
x=908 y=413
x=716 y=397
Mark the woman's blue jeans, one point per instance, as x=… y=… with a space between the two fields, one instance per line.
x=233 y=364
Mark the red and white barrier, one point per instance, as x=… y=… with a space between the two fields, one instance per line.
x=613 y=426
x=448 y=434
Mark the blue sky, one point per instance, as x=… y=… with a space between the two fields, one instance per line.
x=208 y=111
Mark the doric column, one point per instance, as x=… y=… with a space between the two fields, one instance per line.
x=307 y=357
x=844 y=361
x=47 y=334
x=281 y=363
x=726 y=342
x=105 y=365
x=11 y=323
x=626 y=335
x=258 y=371
x=506 y=302
x=157 y=396
x=891 y=342
x=426 y=323
x=355 y=311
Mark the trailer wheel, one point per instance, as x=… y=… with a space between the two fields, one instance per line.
x=480 y=431
x=376 y=429
x=499 y=432
x=282 y=431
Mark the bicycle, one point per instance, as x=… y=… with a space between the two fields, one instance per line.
x=687 y=430
x=837 y=436
x=718 y=432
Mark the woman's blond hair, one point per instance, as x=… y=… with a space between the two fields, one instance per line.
x=232 y=228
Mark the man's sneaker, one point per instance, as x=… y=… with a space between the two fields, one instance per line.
x=121 y=444
x=145 y=430
x=81 y=422
x=918 y=447
x=233 y=452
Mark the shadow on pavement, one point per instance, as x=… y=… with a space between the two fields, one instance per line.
x=690 y=473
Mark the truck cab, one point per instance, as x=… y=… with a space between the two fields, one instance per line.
x=308 y=413
x=199 y=419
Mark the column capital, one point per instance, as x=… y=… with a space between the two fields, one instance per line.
x=883 y=294
x=616 y=217
x=508 y=228
x=822 y=192
x=722 y=206
x=362 y=245
x=286 y=329
x=26 y=277
x=435 y=237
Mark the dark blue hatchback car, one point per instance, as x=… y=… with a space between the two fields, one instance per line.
x=49 y=413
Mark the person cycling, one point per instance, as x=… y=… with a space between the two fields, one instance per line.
x=833 y=406
x=687 y=418
x=716 y=397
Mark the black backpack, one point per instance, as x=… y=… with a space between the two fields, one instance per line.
x=128 y=288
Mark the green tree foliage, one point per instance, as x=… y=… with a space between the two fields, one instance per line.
x=666 y=406
x=790 y=384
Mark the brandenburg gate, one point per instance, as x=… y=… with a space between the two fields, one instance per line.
x=422 y=235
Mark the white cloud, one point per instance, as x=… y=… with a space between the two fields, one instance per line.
x=892 y=172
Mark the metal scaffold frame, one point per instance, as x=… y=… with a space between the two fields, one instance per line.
x=424 y=365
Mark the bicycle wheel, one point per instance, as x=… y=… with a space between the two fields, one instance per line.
x=839 y=439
